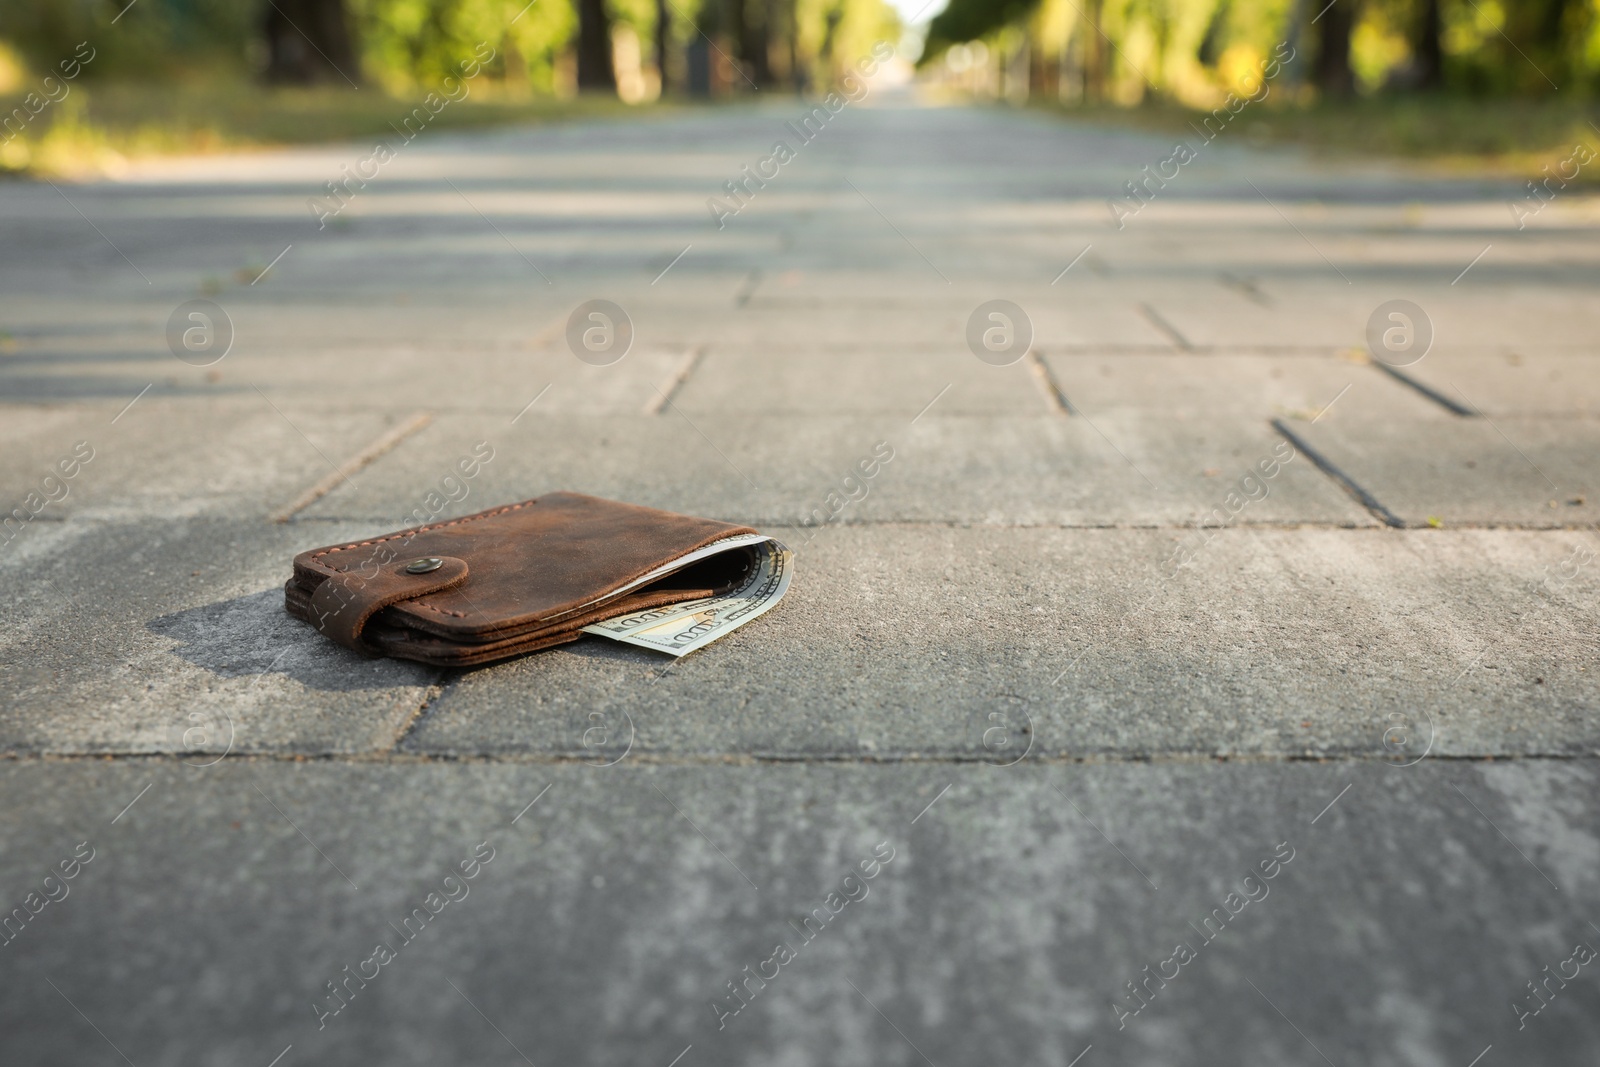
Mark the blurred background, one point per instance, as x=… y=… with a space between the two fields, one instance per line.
x=1503 y=83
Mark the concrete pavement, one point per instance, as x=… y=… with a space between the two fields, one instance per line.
x=1074 y=597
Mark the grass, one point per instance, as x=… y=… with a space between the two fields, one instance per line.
x=99 y=127
x=1511 y=137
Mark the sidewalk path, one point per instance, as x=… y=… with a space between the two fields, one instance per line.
x=1193 y=580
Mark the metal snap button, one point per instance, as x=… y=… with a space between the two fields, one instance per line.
x=424 y=565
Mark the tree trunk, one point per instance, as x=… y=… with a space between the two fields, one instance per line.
x=1561 y=26
x=797 y=77
x=595 y=71
x=830 y=27
x=760 y=46
x=1430 y=47
x=1333 y=73
x=1094 y=53
x=750 y=37
x=1294 y=74
x=663 y=40
x=739 y=31
x=1551 y=19
x=309 y=42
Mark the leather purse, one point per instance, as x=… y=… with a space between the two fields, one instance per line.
x=512 y=579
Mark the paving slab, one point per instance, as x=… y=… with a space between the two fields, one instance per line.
x=1236 y=388
x=775 y=320
x=169 y=635
x=1006 y=911
x=234 y=454
x=1517 y=471
x=1543 y=382
x=860 y=382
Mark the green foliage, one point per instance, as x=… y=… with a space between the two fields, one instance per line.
x=1510 y=137
x=155 y=39
x=1490 y=47
x=968 y=20
x=1499 y=47
x=403 y=44
x=406 y=43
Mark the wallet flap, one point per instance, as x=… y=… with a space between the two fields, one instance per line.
x=342 y=605
x=538 y=561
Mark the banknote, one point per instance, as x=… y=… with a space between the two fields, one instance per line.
x=643 y=620
x=678 y=629
x=714 y=548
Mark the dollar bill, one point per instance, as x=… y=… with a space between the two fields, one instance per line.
x=649 y=618
x=714 y=548
x=678 y=629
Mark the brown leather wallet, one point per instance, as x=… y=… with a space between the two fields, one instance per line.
x=509 y=580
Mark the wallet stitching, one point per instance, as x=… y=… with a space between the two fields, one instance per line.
x=425 y=529
x=441 y=611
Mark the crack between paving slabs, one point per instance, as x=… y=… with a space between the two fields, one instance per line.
x=1428 y=391
x=400 y=759
x=447 y=678
x=1340 y=478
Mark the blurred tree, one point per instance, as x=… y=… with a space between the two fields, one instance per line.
x=834 y=34
x=1429 y=47
x=757 y=48
x=595 y=71
x=1551 y=35
x=1332 y=73
x=1094 y=51
x=154 y=39
x=309 y=42
x=739 y=30
x=1212 y=43
x=663 y=43
x=1191 y=50
x=1161 y=19
x=830 y=21
x=797 y=79
x=749 y=24
x=968 y=20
